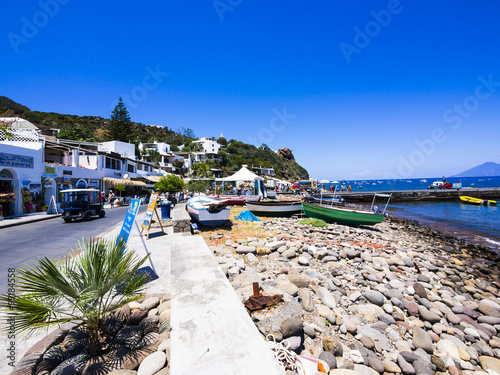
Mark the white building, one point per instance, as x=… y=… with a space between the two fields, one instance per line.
x=21 y=163
x=210 y=145
x=210 y=149
x=126 y=150
x=28 y=160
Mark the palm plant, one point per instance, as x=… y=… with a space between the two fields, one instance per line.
x=85 y=289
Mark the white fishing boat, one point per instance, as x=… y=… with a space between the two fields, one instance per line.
x=276 y=208
x=208 y=211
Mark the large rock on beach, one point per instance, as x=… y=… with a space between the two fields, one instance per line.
x=450 y=348
x=333 y=346
x=123 y=313
x=243 y=249
x=274 y=245
x=406 y=368
x=136 y=317
x=490 y=363
x=329 y=358
x=73 y=365
x=152 y=363
x=420 y=290
x=307 y=299
x=326 y=297
x=367 y=310
x=421 y=339
x=489 y=308
x=428 y=315
x=291 y=327
x=129 y=337
x=150 y=303
x=301 y=281
x=374 y=297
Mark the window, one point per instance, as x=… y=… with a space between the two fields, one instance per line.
x=113 y=164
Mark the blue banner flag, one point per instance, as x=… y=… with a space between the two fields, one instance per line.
x=133 y=208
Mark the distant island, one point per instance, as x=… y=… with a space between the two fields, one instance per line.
x=489 y=169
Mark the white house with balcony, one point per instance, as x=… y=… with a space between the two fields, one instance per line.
x=210 y=149
x=166 y=157
x=210 y=145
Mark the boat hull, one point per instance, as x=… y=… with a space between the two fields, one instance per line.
x=237 y=199
x=204 y=217
x=274 y=208
x=341 y=215
x=477 y=201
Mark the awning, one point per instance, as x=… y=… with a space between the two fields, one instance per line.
x=152 y=178
x=122 y=181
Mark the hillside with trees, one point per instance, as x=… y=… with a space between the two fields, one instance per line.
x=232 y=155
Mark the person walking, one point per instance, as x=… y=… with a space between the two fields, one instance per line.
x=111 y=198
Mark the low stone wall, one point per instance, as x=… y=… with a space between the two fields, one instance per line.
x=181 y=219
x=182 y=226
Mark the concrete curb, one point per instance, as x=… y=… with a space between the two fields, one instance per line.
x=212 y=332
x=32 y=219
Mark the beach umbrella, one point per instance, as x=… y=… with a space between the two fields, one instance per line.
x=335 y=182
x=324 y=182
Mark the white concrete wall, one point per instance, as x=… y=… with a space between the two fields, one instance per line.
x=88 y=161
x=122 y=148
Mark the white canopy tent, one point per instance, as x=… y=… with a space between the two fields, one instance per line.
x=242 y=176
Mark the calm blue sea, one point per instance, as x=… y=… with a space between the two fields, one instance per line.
x=479 y=224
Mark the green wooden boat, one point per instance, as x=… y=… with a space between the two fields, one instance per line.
x=342 y=214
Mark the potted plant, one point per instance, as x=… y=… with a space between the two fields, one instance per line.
x=85 y=289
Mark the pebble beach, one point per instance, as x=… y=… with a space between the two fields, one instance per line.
x=393 y=298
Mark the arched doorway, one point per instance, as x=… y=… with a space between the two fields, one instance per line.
x=81 y=184
x=7 y=193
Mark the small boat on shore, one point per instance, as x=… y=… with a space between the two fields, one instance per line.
x=236 y=199
x=346 y=214
x=276 y=208
x=333 y=200
x=207 y=211
x=478 y=201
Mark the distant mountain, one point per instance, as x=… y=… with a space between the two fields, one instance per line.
x=489 y=169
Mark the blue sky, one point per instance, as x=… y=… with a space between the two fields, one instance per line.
x=357 y=90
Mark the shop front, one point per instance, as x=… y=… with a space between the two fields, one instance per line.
x=7 y=195
x=19 y=173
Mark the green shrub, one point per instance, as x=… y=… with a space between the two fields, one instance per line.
x=314 y=222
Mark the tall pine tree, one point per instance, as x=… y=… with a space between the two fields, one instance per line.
x=120 y=126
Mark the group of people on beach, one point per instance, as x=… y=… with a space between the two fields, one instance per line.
x=343 y=188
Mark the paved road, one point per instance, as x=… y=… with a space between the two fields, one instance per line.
x=52 y=238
